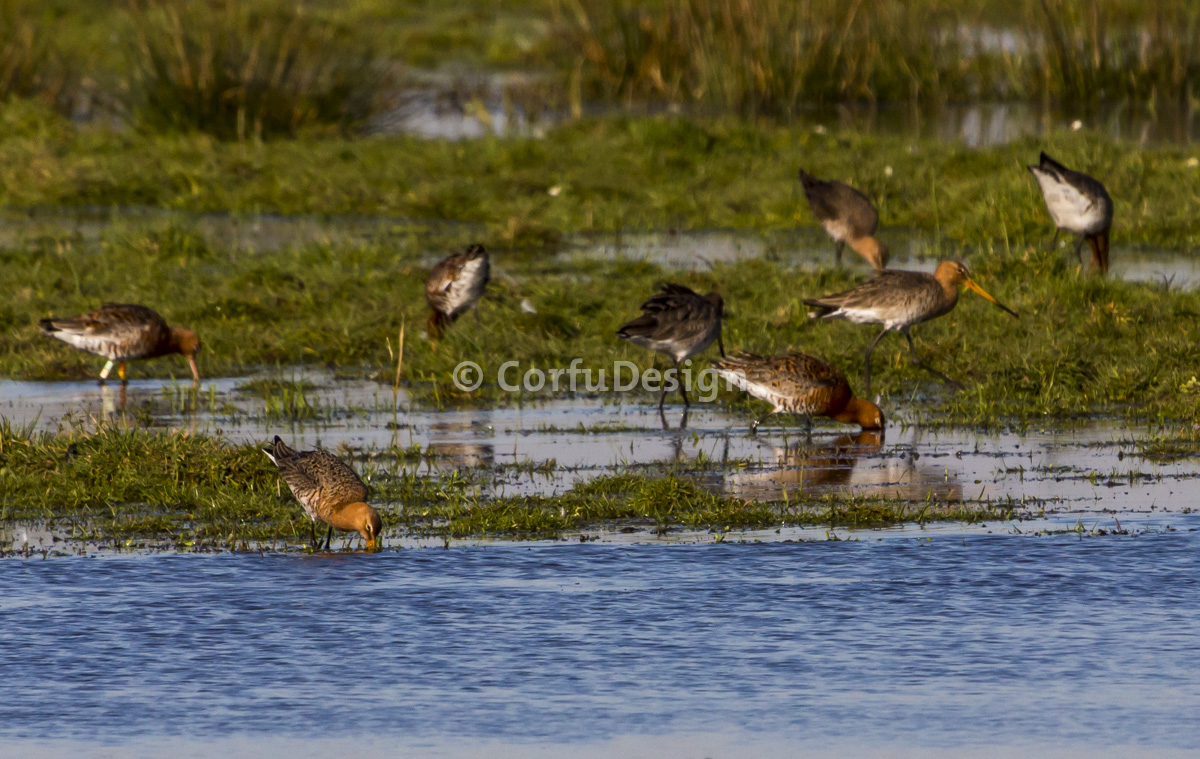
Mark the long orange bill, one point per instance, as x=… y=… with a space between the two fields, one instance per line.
x=195 y=369
x=971 y=284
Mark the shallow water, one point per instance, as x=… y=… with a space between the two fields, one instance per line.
x=1009 y=646
x=1090 y=469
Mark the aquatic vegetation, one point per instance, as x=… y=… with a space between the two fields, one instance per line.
x=780 y=56
x=241 y=70
x=110 y=485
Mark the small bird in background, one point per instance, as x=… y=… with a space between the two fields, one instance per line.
x=123 y=332
x=848 y=216
x=898 y=300
x=329 y=490
x=679 y=323
x=455 y=285
x=797 y=383
x=1078 y=204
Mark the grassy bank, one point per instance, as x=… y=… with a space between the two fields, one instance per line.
x=609 y=174
x=1083 y=344
x=133 y=488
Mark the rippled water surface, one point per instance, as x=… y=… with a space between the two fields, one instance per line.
x=540 y=650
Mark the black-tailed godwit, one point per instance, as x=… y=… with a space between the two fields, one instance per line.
x=329 y=490
x=679 y=323
x=796 y=383
x=122 y=332
x=898 y=300
x=847 y=215
x=455 y=285
x=1078 y=204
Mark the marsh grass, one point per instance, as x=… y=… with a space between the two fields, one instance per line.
x=780 y=56
x=30 y=64
x=239 y=69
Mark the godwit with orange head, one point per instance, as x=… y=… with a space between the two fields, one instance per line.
x=1079 y=204
x=123 y=332
x=847 y=215
x=797 y=383
x=455 y=285
x=679 y=323
x=898 y=300
x=329 y=490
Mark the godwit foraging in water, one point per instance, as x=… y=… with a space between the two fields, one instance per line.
x=124 y=332
x=847 y=215
x=455 y=285
x=898 y=300
x=679 y=323
x=796 y=383
x=1077 y=203
x=329 y=491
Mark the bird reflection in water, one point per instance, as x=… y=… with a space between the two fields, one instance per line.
x=849 y=463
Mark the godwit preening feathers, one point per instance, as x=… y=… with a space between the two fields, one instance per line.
x=123 y=332
x=796 y=383
x=1077 y=203
x=898 y=300
x=847 y=215
x=679 y=323
x=329 y=490
x=455 y=285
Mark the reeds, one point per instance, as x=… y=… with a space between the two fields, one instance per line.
x=30 y=67
x=779 y=56
x=248 y=69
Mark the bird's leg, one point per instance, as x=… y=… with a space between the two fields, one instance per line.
x=682 y=389
x=757 y=422
x=121 y=372
x=1079 y=250
x=917 y=360
x=808 y=428
x=720 y=345
x=867 y=359
x=104 y=372
x=328 y=535
x=1054 y=242
x=837 y=251
x=312 y=535
x=662 y=416
x=683 y=421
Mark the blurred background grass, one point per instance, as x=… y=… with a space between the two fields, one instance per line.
x=268 y=68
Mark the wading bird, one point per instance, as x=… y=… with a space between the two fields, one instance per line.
x=455 y=285
x=898 y=300
x=679 y=323
x=796 y=383
x=329 y=490
x=847 y=215
x=123 y=332
x=1078 y=204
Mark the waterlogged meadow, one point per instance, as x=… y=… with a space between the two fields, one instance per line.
x=239 y=168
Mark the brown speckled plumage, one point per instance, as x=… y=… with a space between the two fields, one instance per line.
x=124 y=332
x=797 y=383
x=455 y=285
x=325 y=486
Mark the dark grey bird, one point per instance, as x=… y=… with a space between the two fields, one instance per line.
x=679 y=323
x=1078 y=204
x=847 y=215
